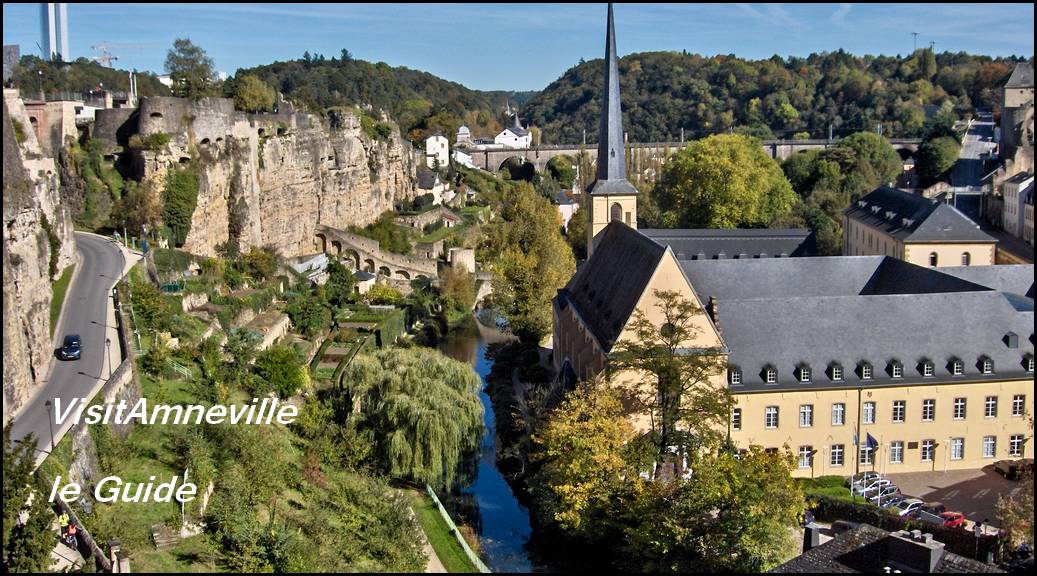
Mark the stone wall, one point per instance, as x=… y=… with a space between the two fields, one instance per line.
x=31 y=198
x=270 y=179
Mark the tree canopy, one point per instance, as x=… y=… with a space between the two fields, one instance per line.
x=723 y=181
x=422 y=408
x=26 y=546
x=192 y=72
x=252 y=94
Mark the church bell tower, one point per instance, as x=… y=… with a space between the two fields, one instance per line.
x=611 y=196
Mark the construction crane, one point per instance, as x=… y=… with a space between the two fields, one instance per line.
x=105 y=57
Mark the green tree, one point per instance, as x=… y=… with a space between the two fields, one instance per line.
x=241 y=345
x=723 y=181
x=281 y=367
x=422 y=408
x=27 y=545
x=935 y=158
x=874 y=152
x=309 y=314
x=585 y=472
x=339 y=287
x=261 y=263
x=253 y=95
x=382 y=293
x=686 y=408
x=192 y=72
x=576 y=234
x=458 y=289
x=532 y=260
x=735 y=514
x=179 y=199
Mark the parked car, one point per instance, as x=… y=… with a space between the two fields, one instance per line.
x=1014 y=469
x=934 y=508
x=71 y=347
x=908 y=506
x=953 y=519
x=892 y=501
x=859 y=480
x=879 y=496
x=874 y=486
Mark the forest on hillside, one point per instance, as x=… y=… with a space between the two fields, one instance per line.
x=779 y=97
x=419 y=102
x=33 y=74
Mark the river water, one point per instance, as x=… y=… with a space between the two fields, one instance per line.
x=487 y=503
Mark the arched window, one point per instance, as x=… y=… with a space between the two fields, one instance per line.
x=933 y=259
x=616 y=212
x=966 y=259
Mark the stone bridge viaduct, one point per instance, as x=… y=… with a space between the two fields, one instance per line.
x=365 y=254
x=493 y=160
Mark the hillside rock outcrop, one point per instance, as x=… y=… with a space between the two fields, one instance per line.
x=38 y=245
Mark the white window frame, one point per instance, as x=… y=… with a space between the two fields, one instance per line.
x=1019 y=405
x=898 y=370
x=837 y=373
x=990 y=407
x=804 y=374
x=963 y=404
x=736 y=418
x=901 y=407
x=865 y=455
x=991 y=443
x=735 y=376
x=928 y=369
x=838 y=409
x=957 y=448
x=867 y=418
x=767 y=413
x=1015 y=445
x=771 y=375
x=804 y=451
x=896 y=452
x=840 y=450
x=866 y=372
x=806 y=415
x=928 y=408
x=957 y=368
x=928 y=450
x=987 y=365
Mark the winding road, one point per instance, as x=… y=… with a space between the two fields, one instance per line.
x=87 y=312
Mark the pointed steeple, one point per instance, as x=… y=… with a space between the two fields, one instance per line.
x=612 y=170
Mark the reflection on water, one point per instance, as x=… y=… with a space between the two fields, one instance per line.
x=488 y=504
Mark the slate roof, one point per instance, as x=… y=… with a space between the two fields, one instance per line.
x=516 y=127
x=427 y=179
x=913 y=218
x=852 y=309
x=1022 y=76
x=563 y=199
x=606 y=288
x=1014 y=279
x=363 y=275
x=868 y=549
x=699 y=244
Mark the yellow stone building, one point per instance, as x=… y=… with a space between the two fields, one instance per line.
x=874 y=361
x=910 y=227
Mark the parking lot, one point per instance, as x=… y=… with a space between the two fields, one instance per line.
x=972 y=492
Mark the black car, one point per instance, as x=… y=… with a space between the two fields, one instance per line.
x=71 y=348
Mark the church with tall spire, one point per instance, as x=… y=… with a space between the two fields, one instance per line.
x=611 y=196
x=828 y=341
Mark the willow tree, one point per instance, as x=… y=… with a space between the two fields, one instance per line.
x=422 y=408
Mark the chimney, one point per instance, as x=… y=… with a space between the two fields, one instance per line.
x=713 y=311
x=811 y=537
x=913 y=551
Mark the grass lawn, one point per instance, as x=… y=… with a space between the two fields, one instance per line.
x=60 y=289
x=439 y=536
x=441 y=233
x=831 y=486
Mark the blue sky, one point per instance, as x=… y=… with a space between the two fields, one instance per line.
x=521 y=46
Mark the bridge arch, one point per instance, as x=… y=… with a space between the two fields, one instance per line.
x=320 y=243
x=402 y=275
x=369 y=265
x=519 y=167
x=384 y=271
x=337 y=246
x=352 y=257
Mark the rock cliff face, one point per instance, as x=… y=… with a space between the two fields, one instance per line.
x=271 y=179
x=37 y=231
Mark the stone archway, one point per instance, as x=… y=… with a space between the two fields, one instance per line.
x=337 y=246
x=402 y=275
x=384 y=271
x=369 y=265
x=616 y=211
x=352 y=257
x=320 y=243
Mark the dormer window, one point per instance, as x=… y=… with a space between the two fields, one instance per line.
x=803 y=372
x=835 y=371
x=933 y=259
x=734 y=375
x=1011 y=340
x=986 y=365
x=896 y=369
x=864 y=370
x=928 y=368
x=1028 y=362
x=770 y=374
x=957 y=367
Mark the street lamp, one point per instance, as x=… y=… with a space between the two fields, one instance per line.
x=50 y=423
x=108 y=344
